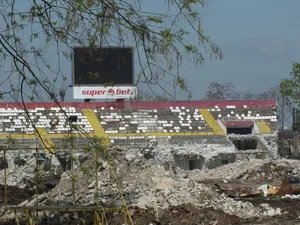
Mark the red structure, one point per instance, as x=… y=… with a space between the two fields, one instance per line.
x=239 y=123
x=146 y=105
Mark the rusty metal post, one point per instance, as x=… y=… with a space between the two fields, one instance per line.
x=16 y=217
x=125 y=217
x=296 y=144
x=5 y=179
x=295 y=129
x=36 y=178
x=97 y=178
x=83 y=218
x=73 y=177
x=72 y=164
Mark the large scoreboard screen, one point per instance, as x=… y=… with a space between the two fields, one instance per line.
x=102 y=66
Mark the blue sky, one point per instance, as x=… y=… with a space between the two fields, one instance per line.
x=259 y=40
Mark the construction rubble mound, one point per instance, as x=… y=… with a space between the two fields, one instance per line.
x=156 y=189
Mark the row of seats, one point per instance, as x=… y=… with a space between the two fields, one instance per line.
x=178 y=108
x=248 y=117
x=144 y=121
x=55 y=120
x=245 y=114
x=116 y=121
x=115 y=139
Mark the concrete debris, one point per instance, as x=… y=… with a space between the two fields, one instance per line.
x=164 y=184
x=160 y=178
x=267 y=210
x=21 y=168
x=291 y=196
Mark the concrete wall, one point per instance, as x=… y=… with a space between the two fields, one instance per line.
x=221 y=159
x=248 y=155
x=186 y=140
x=245 y=138
x=255 y=129
x=185 y=161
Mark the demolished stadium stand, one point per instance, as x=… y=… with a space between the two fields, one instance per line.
x=213 y=124
x=132 y=123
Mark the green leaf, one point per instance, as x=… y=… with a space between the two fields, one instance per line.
x=155 y=19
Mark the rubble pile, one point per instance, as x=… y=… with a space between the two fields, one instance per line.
x=145 y=185
x=270 y=141
x=165 y=154
x=20 y=168
x=227 y=172
x=157 y=184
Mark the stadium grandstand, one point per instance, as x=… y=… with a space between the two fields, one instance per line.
x=131 y=123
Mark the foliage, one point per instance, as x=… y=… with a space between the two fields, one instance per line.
x=227 y=91
x=291 y=87
x=34 y=34
x=219 y=91
x=36 y=38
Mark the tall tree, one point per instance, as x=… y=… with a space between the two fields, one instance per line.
x=36 y=38
x=221 y=91
x=290 y=87
x=284 y=105
x=248 y=95
x=33 y=33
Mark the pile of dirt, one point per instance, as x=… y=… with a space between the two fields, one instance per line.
x=144 y=184
x=15 y=195
x=182 y=214
x=269 y=172
x=157 y=194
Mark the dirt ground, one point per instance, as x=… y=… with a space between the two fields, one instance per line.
x=189 y=215
x=15 y=195
x=183 y=214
